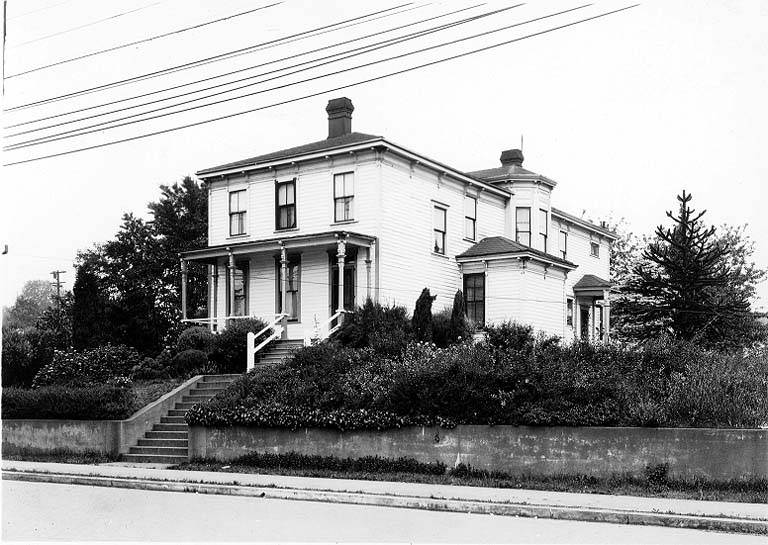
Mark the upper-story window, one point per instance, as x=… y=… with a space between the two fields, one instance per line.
x=285 y=209
x=343 y=197
x=563 y=244
x=594 y=249
x=523 y=225
x=470 y=217
x=237 y=211
x=439 y=229
x=543 y=229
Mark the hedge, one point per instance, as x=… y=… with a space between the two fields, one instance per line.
x=97 y=402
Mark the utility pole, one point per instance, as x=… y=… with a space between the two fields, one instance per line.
x=57 y=282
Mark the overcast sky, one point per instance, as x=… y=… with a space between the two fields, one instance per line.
x=624 y=112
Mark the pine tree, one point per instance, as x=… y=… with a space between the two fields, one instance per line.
x=422 y=316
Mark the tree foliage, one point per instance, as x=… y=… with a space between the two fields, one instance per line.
x=35 y=297
x=422 y=316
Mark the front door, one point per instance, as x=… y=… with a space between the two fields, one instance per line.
x=584 y=322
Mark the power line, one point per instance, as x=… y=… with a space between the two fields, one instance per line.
x=198 y=62
x=312 y=95
x=353 y=53
x=112 y=124
x=137 y=42
x=203 y=80
x=46 y=8
x=86 y=25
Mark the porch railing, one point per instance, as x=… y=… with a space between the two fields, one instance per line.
x=214 y=322
x=277 y=331
x=322 y=331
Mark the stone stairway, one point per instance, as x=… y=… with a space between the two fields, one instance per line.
x=167 y=442
x=278 y=351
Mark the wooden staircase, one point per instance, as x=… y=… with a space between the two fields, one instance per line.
x=278 y=351
x=168 y=441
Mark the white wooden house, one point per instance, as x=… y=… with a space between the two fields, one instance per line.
x=305 y=232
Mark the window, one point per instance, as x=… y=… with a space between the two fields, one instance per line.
x=237 y=208
x=594 y=249
x=543 y=229
x=285 y=211
x=439 y=229
x=563 y=244
x=239 y=307
x=523 y=225
x=470 y=217
x=569 y=312
x=293 y=296
x=474 y=297
x=343 y=197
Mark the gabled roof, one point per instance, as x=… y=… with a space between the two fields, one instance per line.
x=312 y=147
x=490 y=246
x=584 y=223
x=590 y=281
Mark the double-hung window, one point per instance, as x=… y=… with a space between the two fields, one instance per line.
x=474 y=297
x=285 y=207
x=470 y=217
x=543 y=229
x=439 y=220
x=563 y=244
x=594 y=249
x=237 y=211
x=523 y=225
x=343 y=197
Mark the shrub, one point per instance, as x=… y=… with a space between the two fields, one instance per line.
x=96 y=402
x=94 y=365
x=196 y=338
x=422 y=316
x=510 y=335
x=151 y=368
x=386 y=329
x=460 y=328
x=18 y=367
x=230 y=350
x=442 y=334
x=189 y=361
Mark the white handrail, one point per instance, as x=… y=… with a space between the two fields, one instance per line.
x=251 y=339
x=318 y=333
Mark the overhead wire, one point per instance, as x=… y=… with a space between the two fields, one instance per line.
x=352 y=53
x=318 y=93
x=45 y=8
x=200 y=62
x=248 y=68
x=142 y=41
x=92 y=23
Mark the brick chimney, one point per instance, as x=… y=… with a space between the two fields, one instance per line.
x=512 y=157
x=339 y=116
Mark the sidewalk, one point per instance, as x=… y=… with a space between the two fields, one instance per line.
x=724 y=516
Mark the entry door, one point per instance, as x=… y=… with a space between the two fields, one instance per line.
x=584 y=322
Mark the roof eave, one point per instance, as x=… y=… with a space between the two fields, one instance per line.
x=517 y=255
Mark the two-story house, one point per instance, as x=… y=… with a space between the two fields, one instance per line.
x=310 y=230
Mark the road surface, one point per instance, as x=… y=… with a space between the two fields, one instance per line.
x=41 y=511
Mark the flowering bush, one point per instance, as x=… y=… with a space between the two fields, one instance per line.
x=95 y=365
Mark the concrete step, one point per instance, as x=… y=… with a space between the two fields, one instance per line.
x=205 y=394
x=154 y=459
x=178 y=443
x=176 y=412
x=163 y=451
x=195 y=399
x=221 y=378
x=185 y=405
x=179 y=435
x=172 y=420
x=170 y=427
x=213 y=385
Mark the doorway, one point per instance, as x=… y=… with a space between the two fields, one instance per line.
x=584 y=322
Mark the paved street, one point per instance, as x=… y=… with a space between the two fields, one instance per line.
x=39 y=511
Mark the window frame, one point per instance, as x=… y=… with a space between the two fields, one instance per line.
x=563 y=244
x=472 y=302
x=594 y=248
x=569 y=306
x=443 y=232
x=472 y=219
x=241 y=212
x=279 y=207
x=295 y=261
x=518 y=231
x=543 y=236
x=244 y=268
x=350 y=197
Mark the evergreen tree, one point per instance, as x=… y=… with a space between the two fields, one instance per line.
x=87 y=309
x=459 y=326
x=422 y=316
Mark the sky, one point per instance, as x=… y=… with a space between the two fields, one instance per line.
x=624 y=112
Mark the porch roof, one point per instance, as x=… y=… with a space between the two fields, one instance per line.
x=498 y=247
x=210 y=253
x=591 y=282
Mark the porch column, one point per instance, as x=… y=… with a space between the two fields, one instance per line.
x=341 y=254
x=606 y=316
x=214 y=283
x=368 y=272
x=231 y=294
x=183 y=289
x=284 y=289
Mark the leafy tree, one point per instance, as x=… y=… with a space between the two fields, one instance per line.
x=88 y=310
x=35 y=297
x=422 y=316
x=691 y=281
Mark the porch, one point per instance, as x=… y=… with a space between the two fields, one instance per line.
x=591 y=315
x=303 y=279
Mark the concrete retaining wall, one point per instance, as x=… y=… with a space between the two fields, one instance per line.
x=109 y=436
x=710 y=453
